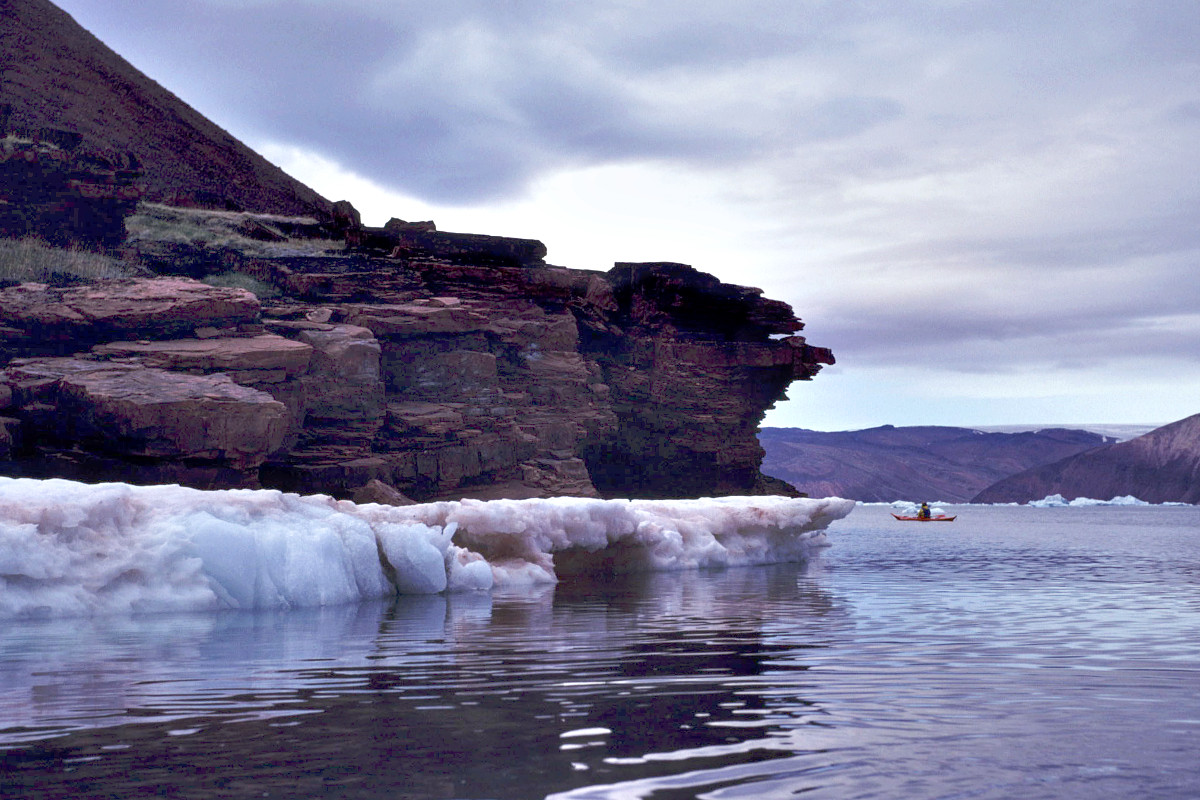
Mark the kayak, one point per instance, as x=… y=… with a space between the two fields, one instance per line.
x=925 y=519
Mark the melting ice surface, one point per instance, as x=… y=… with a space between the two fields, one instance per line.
x=70 y=548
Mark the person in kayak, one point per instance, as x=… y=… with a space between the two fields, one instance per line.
x=923 y=511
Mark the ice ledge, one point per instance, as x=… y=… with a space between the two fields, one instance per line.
x=69 y=548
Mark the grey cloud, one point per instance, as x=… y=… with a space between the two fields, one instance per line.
x=561 y=87
x=1040 y=333
x=839 y=117
x=557 y=83
x=1126 y=296
x=1185 y=113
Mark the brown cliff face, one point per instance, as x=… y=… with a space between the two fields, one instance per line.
x=440 y=378
x=1162 y=466
x=692 y=369
x=49 y=190
x=54 y=74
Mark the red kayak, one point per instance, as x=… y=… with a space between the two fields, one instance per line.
x=925 y=519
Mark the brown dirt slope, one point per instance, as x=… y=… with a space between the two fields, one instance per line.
x=1162 y=466
x=53 y=73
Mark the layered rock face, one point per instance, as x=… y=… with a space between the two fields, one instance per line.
x=478 y=372
x=691 y=368
x=419 y=361
x=49 y=190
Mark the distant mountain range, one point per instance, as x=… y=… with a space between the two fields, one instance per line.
x=1116 y=431
x=1161 y=466
x=965 y=464
x=912 y=463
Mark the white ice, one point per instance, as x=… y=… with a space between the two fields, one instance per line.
x=1050 y=501
x=69 y=548
x=1057 y=501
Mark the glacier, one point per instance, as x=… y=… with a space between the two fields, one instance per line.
x=74 y=549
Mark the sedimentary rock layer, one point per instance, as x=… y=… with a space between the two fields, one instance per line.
x=424 y=375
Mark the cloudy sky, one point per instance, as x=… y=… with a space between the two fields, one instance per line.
x=989 y=211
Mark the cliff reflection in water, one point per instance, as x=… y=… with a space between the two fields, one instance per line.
x=436 y=695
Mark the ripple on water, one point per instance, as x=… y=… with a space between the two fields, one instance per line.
x=994 y=660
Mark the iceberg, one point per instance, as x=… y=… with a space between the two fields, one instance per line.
x=72 y=549
x=1058 y=501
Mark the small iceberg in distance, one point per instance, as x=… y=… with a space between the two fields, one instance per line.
x=1058 y=501
x=71 y=549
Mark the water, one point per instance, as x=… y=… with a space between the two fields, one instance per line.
x=1017 y=652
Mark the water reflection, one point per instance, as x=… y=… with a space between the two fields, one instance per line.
x=440 y=691
x=989 y=660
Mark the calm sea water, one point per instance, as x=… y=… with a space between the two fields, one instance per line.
x=1015 y=653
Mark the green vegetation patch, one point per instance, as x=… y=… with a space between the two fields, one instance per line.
x=265 y=235
x=240 y=280
x=34 y=261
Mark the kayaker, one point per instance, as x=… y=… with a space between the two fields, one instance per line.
x=923 y=511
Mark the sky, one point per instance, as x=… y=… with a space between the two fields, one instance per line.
x=989 y=211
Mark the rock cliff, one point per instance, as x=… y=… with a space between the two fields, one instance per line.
x=49 y=190
x=452 y=366
x=1161 y=466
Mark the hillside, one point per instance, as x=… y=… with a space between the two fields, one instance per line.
x=916 y=463
x=1161 y=466
x=54 y=74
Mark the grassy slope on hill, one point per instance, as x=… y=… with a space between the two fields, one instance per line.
x=34 y=261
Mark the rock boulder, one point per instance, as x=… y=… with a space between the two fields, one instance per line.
x=91 y=411
x=44 y=317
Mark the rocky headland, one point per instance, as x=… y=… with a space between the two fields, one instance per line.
x=403 y=363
